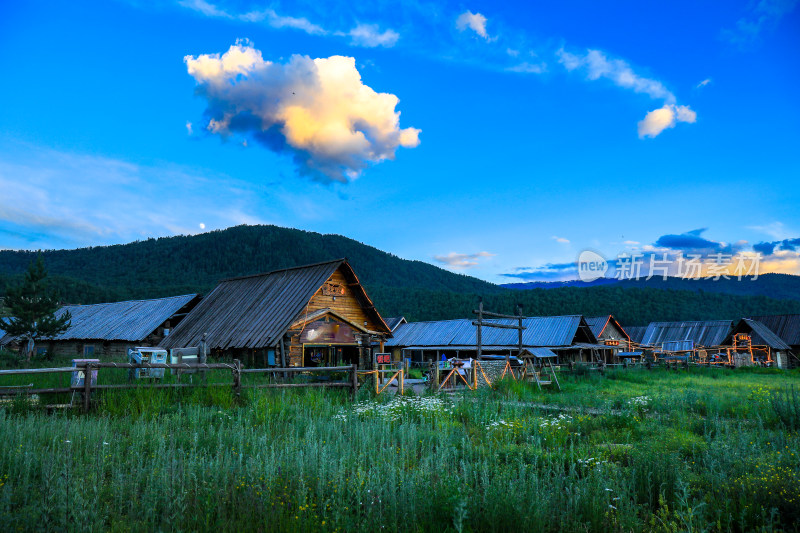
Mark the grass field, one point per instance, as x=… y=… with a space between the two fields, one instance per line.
x=707 y=450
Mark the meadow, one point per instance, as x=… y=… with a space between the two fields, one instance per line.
x=635 y=450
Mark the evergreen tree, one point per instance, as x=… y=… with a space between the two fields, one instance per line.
x=32 y=306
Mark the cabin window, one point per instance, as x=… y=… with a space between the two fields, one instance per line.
x=270 y=357
x=40 y=351
x=88 y=350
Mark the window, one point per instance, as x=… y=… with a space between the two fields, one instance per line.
x=40 y=351
x=88 y=350
x=271 y=357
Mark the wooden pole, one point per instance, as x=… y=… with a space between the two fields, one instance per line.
x=478 y=339
x=354 y=378
x=87 y=386
x=519 y=336
x=237 y=377
x=402 y=381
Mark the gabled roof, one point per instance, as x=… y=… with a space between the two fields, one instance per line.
x=701 y=332
x=255 y=311
x=759 y=334
x=395 y=321
x=787 y=327
x=304 y=319
x=130 y=321
x=548 y=331
x=599 y=323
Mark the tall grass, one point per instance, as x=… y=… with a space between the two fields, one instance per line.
x=310 y=460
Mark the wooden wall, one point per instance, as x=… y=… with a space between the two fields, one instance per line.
x=346 y=305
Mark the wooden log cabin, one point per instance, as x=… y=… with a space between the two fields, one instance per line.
x=313 y=315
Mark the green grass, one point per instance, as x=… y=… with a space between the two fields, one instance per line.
x=710 y=450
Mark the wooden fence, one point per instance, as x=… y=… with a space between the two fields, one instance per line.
x=235 y=368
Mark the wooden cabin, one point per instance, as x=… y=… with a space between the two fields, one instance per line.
x=313 y=315
x=106 y=331
x=610 y=333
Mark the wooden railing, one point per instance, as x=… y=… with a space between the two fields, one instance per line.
x=235 y=368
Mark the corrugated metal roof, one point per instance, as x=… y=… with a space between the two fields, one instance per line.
x=636 y=333
x=120 y=321
x=540 y=331
x=702 y=332
x=787 y=327
x=394 y=322
x=542 y=353
x=759 y=334
x=597 y=323
x=678 y=346
x=255 y=311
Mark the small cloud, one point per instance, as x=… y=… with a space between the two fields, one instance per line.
x=277 y=21
x=528 y=68
x=456 y=260
x=202 y=226
x=776 y=230
x=205 y=8
x=631 y=243
x=188 y=127
x=560 y=239
x=665 y=117
x=704 y=83
x=474 y=21
x=512 y=52
x=761 y=15
x=370 y=36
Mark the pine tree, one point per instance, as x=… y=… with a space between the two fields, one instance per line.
x=33 y=306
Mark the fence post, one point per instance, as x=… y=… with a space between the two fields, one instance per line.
x=87 y=386
x=237 y=377
x=377 y=386
x=354 y=377
x=402 y=381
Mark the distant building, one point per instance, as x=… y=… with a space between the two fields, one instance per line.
x=761 y=335
x=636 y=333
x=313 y=315
x=106 y=331
x=610 y=333
x=701 y=333
x=787 y=327
x=568 y=336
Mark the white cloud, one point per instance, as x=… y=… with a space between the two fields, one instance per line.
x=318 y=110
x=75 y=199
x=456 y=260
x=206 y=8
x=512 y=52
x=278 y=21
x=189 y=128
x=597 y=65
x=370 y=36
x=562 y=240
x=474 y=21
x=776 y=230
x=704 y=83
x=665 y=117
x=528 y=68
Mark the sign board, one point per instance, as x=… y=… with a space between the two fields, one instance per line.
x=612 y=342
x=383 y=358
x=78 y=376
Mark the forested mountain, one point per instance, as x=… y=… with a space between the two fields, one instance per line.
x=419 y=291
x=780 y=286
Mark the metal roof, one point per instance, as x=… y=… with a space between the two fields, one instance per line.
x=129 y=321
x=759 y=334
x=540 y=331
x=787 y=327
x=701 y=332
x=636 y=333
x=678 y=346
x=255 y=311
x=395 y=321
x=599 y=323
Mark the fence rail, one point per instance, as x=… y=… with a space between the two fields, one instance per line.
x=87 y=368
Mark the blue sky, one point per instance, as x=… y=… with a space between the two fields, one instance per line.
x=526 y=133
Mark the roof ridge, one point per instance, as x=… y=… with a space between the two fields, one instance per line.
x=132 y=301
x=235 y=278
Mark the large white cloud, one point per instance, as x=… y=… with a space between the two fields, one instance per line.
x=316 y=109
